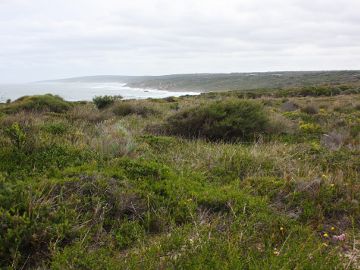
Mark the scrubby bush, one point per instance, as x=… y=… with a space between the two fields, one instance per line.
x=41 y=103
x=126 y=108
x=56 y=128
x=310 y=109
x=111 y=141
x=87 y=113
x=16 y=135
x=289 y=106
x=310 y=128
x=102 y=102
x=227 y=120
x=171 y=99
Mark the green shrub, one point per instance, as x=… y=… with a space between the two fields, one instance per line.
x=78 y=257
x=310 y=128
x=41 y=103
x=227 y=120
x=55 y=128
x=158 y=143
x=102 y=102
x=310 y=109
x=16 y=135
x=41 y=158
x=240 y=165
x=128 y=233
x=126 y=108
x=141 y=169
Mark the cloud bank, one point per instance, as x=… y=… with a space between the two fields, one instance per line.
x=41 y=39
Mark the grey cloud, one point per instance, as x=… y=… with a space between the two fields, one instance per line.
x=69 y=38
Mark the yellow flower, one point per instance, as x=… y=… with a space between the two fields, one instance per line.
x=281 y=228
x=326 y=235
x=276 y=252
x=333 y=228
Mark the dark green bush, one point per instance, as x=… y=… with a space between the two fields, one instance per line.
x=55 y=128
x=310 y=109
x=23 y=162
x=140 y=169
x=41 y=103
x=125 y=108
x=128 y=233
x=227 y=120
x=102 y=102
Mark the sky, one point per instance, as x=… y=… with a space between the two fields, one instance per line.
x=50 y=39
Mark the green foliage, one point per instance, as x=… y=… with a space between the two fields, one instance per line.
x=126 y=108
x=82 y=190
x=78 y=257
x=42 y=159
x=43 y=103
x=128 y=233
x=308 y=201
x=310 y=109
x=59 y=128
x=102 y=102
x=228 y=120
x=140 y=169
x=159 y=143
x=310 y=128
x=239 y=165
x=16 y=135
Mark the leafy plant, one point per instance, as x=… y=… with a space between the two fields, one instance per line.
x=126 y=108
x=310 y=128
x=227 y=120
x=102 y=102
x=16 y=135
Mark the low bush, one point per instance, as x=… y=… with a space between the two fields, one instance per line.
x=126 y=108
x=102 y=102
x=41 y=103
x=111 y=141
x=310 y=128
x=58 y=128
x=227 y=120
x=16 y=135
x=289 y=106
x=87 y=113
x=240 y=165
x=310 y=109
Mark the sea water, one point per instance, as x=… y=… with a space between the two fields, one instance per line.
x=80 y=91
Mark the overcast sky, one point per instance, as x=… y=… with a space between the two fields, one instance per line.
x=48 y=39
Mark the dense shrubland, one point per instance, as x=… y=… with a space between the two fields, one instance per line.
x=207 y=182
x=229 y=120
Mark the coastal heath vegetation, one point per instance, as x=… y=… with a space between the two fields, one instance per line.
x=216 y=181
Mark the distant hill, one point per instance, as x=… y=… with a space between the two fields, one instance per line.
x=231 y=81
x=99 y=78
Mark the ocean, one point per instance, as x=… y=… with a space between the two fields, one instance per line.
x=79 y=91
